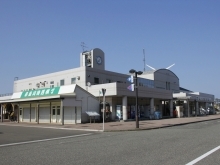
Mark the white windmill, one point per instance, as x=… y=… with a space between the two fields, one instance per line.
x=156 y=69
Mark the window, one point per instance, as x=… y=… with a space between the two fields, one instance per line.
x=58 y=110
x=73 y=80
x=61 y=82
x=168 y=85
x=96 y=80
x=52 y=84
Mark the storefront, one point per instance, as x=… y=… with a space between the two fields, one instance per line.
x=66 y=104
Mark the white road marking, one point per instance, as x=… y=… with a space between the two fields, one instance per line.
x=43 y=140
x=203 y=156
x=77 y=129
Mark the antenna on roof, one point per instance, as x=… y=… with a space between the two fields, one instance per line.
x=144 y=59
x=83 y=45
x=170 y=66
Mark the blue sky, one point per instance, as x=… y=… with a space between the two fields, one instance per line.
x=44 y=36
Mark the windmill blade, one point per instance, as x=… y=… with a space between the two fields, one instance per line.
x=170 y=66
x=150 y=67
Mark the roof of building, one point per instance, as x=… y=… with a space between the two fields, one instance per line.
x=183 y=89
x=153 y=71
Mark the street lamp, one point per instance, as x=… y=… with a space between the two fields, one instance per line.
x=103 y=113
x=132 y=71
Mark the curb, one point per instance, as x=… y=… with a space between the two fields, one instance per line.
x=120 y=130
x=160 y=127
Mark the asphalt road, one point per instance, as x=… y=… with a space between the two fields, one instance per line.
x=168 y=146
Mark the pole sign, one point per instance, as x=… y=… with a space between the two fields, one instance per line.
x=131 y=87
x=131 y=79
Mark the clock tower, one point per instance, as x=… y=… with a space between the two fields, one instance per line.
x=94 y=58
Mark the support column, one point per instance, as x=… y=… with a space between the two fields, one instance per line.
x=50 y=112
x=152 y=105
x=187 y=105
x=62 y=112
x=206 y=105
x=13 y=111
x=30 y=113
x=197 y=108
x=161 y=108
x=124 y=108
x=75 y=115
x=18 y=113
x=171 y=107
x=38 y=107
x=1 y=113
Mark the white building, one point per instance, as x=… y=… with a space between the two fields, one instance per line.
x=69 y=96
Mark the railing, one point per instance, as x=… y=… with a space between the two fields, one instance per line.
x=7 y=94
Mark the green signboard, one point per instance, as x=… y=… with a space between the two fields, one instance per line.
x=40 y=92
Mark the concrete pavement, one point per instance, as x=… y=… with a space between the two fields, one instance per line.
x=121 y=125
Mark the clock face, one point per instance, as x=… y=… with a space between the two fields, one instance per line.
x=99 y=60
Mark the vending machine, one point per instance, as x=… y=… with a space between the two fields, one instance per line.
x=119 y=113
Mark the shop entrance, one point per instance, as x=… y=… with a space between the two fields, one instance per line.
x=55 y=117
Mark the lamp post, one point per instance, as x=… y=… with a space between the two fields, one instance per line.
x=103 y=113
x=132 y=71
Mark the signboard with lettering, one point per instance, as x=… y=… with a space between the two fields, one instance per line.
x=40 y=92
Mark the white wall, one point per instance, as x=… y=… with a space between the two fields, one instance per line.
x=89 y=103
x=30 y=83
x=162 y=76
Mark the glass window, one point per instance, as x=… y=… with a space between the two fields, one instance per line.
x=61 y=82
x=52 y=84
x=168 y=85
x=73 y=80
x=58 y=111
x=54 y=112
x=96 y=80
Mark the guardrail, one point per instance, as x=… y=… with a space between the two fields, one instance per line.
x=7 y=94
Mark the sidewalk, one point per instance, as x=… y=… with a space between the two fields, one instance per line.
x=121 y=126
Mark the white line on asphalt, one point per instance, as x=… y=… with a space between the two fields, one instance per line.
x=203 y=156
x=77 y=129
x=43 y=140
